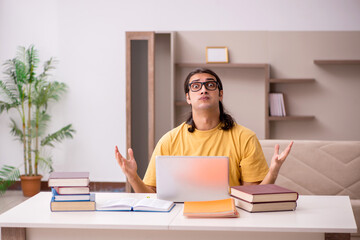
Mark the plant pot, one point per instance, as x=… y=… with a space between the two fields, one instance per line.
x=30 y=185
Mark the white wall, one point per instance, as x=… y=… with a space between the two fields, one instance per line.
x=88 y=38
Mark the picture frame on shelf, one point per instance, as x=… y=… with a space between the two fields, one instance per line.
x=217 y=55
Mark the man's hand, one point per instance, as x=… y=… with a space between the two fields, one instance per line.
x=129 y=167
x=278 y=159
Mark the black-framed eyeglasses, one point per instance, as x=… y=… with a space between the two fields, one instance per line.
x=209 y=85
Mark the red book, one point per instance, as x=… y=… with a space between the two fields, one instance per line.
x=264 y=193
x=68 y=179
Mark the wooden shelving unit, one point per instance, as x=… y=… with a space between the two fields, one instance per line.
x=223 y=65
x=291 y=118
x=249 y=72
x=267 y=79
x=291 y=80
x=338 y=62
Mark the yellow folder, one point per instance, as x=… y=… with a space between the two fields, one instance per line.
x=216 y=208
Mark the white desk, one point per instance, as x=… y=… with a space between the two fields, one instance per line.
x=315 y=215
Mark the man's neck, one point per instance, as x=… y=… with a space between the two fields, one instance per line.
x=206 y=120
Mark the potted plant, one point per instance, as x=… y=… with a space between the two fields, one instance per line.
x=28 y=94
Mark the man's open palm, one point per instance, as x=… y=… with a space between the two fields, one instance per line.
x=278 y=159
x=129 y=167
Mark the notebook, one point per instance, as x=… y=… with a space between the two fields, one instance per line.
x=188 y=178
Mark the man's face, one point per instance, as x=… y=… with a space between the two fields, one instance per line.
x=203 y=98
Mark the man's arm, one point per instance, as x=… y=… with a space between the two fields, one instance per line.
x=129 y=168
x=276 y=161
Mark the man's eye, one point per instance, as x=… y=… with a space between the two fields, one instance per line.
x=210 y=84
x=195 y=85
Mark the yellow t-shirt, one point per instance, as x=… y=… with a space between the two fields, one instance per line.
x=246 y=158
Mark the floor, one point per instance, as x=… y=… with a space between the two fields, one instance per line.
x=9 y=200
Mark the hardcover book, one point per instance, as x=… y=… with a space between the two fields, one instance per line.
x=70 y=206
x=264 y=193
x=72 y=190
x=70 y=197
x=265 y=206
x=216 y=208
x=132 y=204
x=64 y=179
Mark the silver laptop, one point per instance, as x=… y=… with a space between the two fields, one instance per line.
x=185 y=178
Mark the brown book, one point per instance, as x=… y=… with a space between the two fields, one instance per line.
x=69 y=179
x=215 y=208
x=265 y=206
x=73 y=206
x=264 y=193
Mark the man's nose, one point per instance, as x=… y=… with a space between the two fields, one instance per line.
x=203 y=89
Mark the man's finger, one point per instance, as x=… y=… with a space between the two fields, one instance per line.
x=131 y=154
x=276 y=151
x=117 y=153
x=290 y=145
x=117 y=150
x=118 y=156
x=287 y=150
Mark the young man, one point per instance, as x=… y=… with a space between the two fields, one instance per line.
x=209 y=131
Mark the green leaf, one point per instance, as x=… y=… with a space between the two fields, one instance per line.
x=15 y=131
x=43 y=121
x=46 y=164
x=7 y=106
x=20 y=73
x=32 y=61
x=58 y=136
x=21 y=53
x=56 y=89
x=45 y=91
x=9 y=93
x=8 y=175
x=48 y=66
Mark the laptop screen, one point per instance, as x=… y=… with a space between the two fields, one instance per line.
x=189 y=178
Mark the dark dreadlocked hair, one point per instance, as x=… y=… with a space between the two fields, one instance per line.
x=227 y=122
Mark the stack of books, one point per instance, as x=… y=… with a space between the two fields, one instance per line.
x=277 y=105
x=71 y=192
x=264 y=198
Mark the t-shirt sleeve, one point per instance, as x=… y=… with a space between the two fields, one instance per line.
x=162 y=148
x=253 y=165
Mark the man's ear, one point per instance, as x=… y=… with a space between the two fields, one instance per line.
x=188 y=100
x=221 y=95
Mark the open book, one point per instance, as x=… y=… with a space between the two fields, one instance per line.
x=132 y=204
